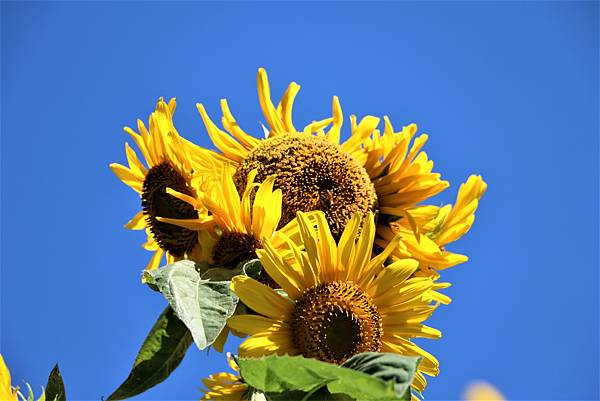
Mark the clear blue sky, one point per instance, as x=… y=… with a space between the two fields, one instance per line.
x=507 y=90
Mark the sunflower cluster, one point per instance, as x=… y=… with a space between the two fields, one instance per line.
x=350 y=247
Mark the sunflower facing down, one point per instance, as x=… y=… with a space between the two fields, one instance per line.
x=166 y=184
x=225 y=386
x=340 y=301
x=370 y=172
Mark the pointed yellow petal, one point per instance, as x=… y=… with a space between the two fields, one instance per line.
x=264 y=98
x=333 y=135
x=127 y=176
x=138 y=222
x=154 y=261
x=287 y=103
x=279 y=343
x=253 y=324
x=260 y=298
x=223 y=141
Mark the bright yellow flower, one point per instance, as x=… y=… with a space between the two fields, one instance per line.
x=166 y=184
x=225 y=386
x=372 y=171
x=7 y=393
x=340 y=301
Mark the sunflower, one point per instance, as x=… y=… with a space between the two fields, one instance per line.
x=437 y=227
x=370 y=172
x=226 y=386
x=7 y=393
x=166 y=184
x=340 y=301
x=238 y=223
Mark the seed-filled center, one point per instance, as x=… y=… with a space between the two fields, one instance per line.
x=156 y=202
x=335 y=321
x=233 y=248
x=313 y=174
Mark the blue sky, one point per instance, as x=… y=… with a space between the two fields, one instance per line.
x=506 y=90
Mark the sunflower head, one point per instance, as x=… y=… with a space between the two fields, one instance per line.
x=166 y=178
x=371 y=171
x=157 y=202
x=313 y=174
x=238 y=220
x=341 y=300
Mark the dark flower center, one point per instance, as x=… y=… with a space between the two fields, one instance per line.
x=156 y=202
x=313 y=174
x=335 y=321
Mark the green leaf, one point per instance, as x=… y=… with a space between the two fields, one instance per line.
x=275 y=375
x=202 y=305
x=55 y=389
x=161 y=353
x=388 y=367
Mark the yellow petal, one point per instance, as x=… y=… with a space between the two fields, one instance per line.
x=219 y=342
x=232 y=126
x=127 y=176
x=155 y=260
x=5 y=386
x=333 y=135
x=260 y=298
x=286 y=105
x=290 y=280
x=392 y=276
x=279 y=343
x=253 y=324
x=138 y=222
x=264 y=98
x=360 y=133
x=222 y=140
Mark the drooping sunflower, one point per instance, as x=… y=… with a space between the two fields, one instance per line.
x=340 y=301
x=225 y=386
x=370 y=172
x=167 y=183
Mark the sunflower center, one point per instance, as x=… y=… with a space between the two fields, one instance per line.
x=234 y=248
x=313 y=174
x=156 y=202
x=334 y=321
